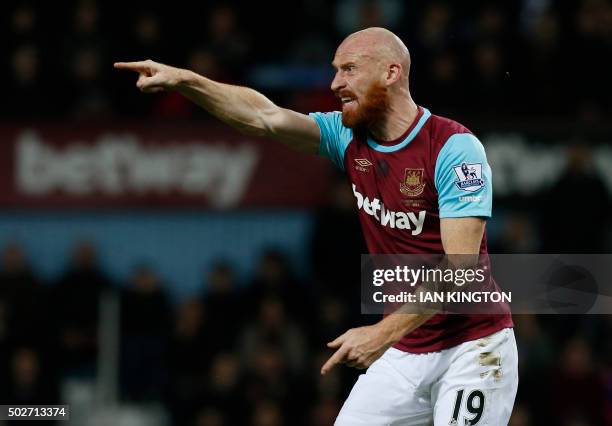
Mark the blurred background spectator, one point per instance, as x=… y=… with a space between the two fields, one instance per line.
x=76 y=301
x=497 y=55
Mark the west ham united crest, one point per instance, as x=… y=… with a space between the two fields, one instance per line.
x=413 y=184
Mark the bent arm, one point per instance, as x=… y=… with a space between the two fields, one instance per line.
x=243 y=108
x=460 y=237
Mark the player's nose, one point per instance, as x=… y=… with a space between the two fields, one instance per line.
x=337 y=83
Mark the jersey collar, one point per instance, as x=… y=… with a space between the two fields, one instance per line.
x=403 y=140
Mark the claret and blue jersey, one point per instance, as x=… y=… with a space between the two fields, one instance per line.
x=436 y=169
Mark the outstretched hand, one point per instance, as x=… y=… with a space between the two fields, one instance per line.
x=153 y=76
x=358 y=347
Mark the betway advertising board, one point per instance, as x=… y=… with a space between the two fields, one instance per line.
x=153 y=166
x=187 y=165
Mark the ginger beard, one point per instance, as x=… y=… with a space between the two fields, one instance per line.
x=369 y=110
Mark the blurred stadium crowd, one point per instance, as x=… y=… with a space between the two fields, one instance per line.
x=248 y=352
x=529 y=58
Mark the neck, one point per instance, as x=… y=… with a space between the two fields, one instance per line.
x=402 y=113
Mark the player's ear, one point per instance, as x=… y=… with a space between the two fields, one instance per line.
x=394 y=73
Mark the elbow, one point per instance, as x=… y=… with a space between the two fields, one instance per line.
x=251 y=130
x=269 y=120
x=262 y=120
x=261 y=123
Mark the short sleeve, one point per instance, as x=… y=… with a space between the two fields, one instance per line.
x=335 y=138
x=463 y=178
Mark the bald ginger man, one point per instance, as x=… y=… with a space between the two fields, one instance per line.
x=406 y=168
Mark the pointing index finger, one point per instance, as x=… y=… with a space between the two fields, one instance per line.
x=133 y=66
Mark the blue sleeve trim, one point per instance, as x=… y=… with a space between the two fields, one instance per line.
x=463 y=178
x=335 y=138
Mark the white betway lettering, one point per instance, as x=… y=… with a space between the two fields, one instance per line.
x=390 y=218
x=116 y=165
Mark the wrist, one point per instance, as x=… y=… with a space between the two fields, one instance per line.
x=184 y=79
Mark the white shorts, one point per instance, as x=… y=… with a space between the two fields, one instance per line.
x=473 y=383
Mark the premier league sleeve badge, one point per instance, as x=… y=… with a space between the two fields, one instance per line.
x=470 y=177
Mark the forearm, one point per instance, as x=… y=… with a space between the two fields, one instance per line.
x=459 y=236
x=245 y=109
x=241 y=107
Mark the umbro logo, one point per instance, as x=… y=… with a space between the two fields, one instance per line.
x=362 y=164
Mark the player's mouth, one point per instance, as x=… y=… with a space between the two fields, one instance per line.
x=348 y=101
